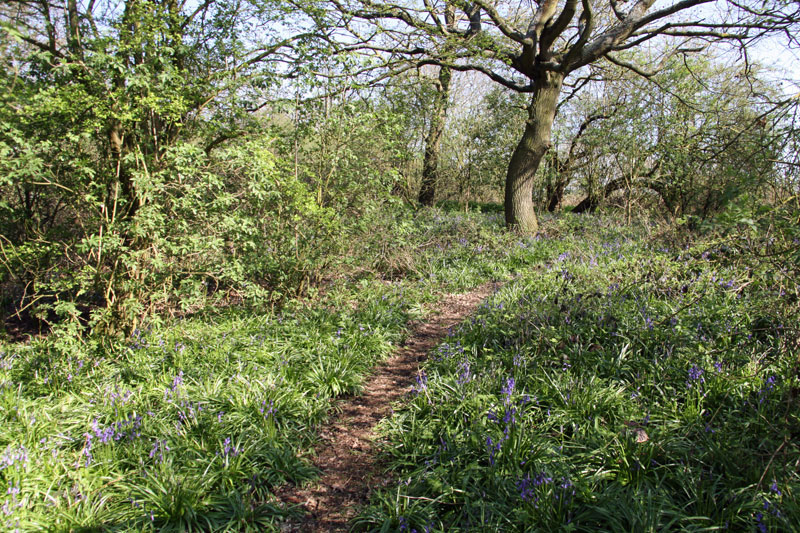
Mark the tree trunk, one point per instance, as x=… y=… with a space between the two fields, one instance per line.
x=648 y=181
x=555 y=190
x=587 y=204
x=430 y=163
x=535 y=142
x=74 y=38
x=554 y=200
x=123 y=175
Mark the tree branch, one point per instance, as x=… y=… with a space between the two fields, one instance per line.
x=502 y=24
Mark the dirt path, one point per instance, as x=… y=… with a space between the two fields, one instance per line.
x=347 y=455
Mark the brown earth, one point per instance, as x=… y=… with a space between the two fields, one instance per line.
x=347 y=454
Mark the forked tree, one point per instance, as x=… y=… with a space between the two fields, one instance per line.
x=533 y=47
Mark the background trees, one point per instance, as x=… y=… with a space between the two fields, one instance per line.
x=150 y=148
x=533 y=49
x=693 y=137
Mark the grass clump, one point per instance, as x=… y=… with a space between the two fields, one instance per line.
x=629 y=384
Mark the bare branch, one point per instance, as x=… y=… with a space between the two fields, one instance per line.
x=502 y=24
x=588 y=17
x=435 y=17
x=630 y=66
x=494 y=76
x=636 y=19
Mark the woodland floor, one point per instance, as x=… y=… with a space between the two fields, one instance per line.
x=347 y=453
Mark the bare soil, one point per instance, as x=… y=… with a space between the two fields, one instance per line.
x=347 y=453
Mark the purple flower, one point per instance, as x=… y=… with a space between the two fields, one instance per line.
x=13 y=456
x=177 y=381
x=527 y=485
x=228 y=450
x=769 y=385
x=464 y=373
x=422 y=383
x=525 y=491
x=761 y=526
x=159 y=447
x=509 y=417
x=87 y=450
x=695 y=374
x=267 y=409
x=492 y=448
x=508 y=389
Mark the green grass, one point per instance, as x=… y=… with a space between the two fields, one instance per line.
x=610 y=335
x=632 y=383
x=194 y=423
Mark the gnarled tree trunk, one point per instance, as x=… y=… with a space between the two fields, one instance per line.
x=535 y=142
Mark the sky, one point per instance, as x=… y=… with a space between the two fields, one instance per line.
x=785 y=60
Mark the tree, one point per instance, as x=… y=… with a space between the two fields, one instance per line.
x=430 y=161
x=108 y=111
x=561 y=167
x=535 y=49
x=696 y=135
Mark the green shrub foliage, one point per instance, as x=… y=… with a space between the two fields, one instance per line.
x=120 y=195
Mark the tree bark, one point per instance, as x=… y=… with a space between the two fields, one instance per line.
x=536 y=140
x=555 y=188
x=74 y=38
x=554 y=199
x=430 y=162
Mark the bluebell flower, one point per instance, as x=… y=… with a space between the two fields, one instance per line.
x=695 y=374
x=759 y=524
x=267 y=410
x=422 y=383
x=508 y=389
x=228 y=450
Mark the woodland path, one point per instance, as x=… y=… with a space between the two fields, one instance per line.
x=347 y=454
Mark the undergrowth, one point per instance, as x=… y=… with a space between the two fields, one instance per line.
x=634 y=382
x=194 y=423
x=620 y=380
